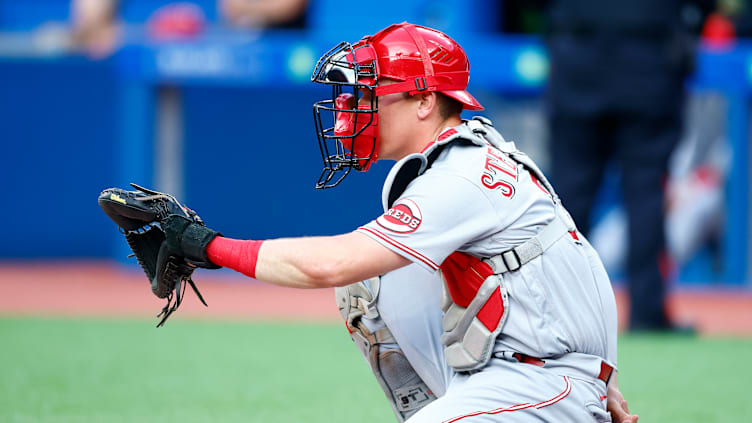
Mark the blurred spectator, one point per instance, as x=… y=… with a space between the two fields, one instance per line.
x=616 y=94
x=731 y=19
x=176 y=21
x=265 y=13
x=96 y=29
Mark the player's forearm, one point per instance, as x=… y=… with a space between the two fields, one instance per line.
x=315 y=262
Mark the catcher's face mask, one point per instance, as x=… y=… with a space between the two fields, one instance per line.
x=413 y=58
x=347 y=131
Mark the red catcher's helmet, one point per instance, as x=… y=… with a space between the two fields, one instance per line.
x=424 y=59
x=419 y=58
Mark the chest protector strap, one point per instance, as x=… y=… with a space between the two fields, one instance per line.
x=404 y=389
x=475 y=300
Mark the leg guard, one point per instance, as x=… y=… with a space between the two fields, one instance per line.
x=404 y=389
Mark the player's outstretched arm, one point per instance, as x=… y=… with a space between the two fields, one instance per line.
x=312 y=262
x=617 y=405
x=320 y=262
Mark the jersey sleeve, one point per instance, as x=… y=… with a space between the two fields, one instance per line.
x=437 y=214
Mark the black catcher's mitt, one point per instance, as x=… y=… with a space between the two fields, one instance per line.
x=140 y=214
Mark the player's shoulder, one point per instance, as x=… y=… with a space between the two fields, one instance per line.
x=451 y=174
x=470 y=160
x=492 y=171
x=460 y=157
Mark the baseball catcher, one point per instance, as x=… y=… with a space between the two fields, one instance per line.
x=473 y=296
x=142 y=216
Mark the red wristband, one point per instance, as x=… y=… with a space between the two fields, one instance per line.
x=239 y=255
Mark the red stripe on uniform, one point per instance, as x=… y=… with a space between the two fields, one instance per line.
x=536 y=182
x=557 y=398
x=446 y=134
x=518 y=407
x=428 y=146
x=402 y=247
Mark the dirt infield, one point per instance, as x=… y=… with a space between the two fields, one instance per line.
x=108 y=289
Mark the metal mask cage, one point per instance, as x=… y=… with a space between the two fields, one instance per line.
x=339 y=69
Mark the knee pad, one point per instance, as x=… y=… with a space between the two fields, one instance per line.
x=403 y=387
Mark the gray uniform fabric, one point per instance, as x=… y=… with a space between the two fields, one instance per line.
x=476 y=199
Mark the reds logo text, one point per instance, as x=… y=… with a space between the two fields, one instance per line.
x=403 y=217
x=499 y=172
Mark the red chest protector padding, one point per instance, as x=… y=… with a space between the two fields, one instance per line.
x=464 y=275
x=475 y=307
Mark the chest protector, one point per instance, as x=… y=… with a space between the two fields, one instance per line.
x=474 y=299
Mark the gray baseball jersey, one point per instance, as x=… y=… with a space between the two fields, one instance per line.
x=476 y=199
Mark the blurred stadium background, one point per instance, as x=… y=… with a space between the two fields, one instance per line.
x=212 y=102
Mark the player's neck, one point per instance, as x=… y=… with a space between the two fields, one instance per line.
x=417 y=140
x=430 y=134
x=449 y=122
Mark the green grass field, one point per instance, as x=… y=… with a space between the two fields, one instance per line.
x=128 y=371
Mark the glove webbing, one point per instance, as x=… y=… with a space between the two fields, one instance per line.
x=170 y=307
